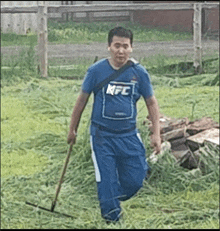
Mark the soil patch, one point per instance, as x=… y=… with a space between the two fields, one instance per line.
x=141 y=49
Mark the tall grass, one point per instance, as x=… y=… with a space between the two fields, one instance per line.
x=20 y=67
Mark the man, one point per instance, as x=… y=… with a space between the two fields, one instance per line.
x=117 y=150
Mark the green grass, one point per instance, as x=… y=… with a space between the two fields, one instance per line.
x=35 y=119
x=12 y=39
x=23 y=65
x=193 y=102
x=89 y=32
x=168 y=71
x=72 y=32
x=189 y=102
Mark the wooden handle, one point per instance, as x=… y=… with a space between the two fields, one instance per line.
x=61 y=178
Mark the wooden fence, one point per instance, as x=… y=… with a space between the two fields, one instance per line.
x=42 y=11
x=95 y=16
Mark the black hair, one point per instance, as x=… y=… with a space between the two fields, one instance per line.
x=120 y=32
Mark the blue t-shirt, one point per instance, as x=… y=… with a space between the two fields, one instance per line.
x=114 y=105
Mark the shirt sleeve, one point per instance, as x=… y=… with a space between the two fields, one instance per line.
x=145 y=87
x=88 y=82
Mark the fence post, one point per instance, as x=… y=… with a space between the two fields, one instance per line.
x=131 y=14
x=197 y=37
x=89 y=15
x=42 y=38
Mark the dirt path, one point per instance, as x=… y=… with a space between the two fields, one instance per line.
x=141 y=49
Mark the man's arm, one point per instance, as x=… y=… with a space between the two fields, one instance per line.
x=76 y=115
x=153 y=110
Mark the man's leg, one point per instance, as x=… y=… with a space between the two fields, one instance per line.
x=106 y=177
x=131 y=164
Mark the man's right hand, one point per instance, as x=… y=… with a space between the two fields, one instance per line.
x=76 y=115
x=71 y=138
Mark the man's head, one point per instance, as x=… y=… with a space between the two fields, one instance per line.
x=120 y=45
x=120 y=32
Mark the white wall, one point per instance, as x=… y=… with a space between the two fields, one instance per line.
x=18 y=23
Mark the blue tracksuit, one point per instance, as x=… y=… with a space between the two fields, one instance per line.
x=117 y=150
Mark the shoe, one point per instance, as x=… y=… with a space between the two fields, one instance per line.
x=113 y=221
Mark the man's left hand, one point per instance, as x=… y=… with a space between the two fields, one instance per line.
x=156 y=143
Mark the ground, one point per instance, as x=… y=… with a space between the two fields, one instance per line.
x=141 y=49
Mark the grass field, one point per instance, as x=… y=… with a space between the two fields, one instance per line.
x=35 y=116
x=90 y=32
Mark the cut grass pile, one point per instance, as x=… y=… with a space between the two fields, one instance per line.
x=35 y=122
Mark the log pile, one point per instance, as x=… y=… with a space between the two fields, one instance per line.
x=187 y=137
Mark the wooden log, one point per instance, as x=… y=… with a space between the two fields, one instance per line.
x=200 y=125
x=181 y=155
x=173 y=124
x=177 y=142
x=168 y=124
x=197 y=141
x=180 y=147
x=174 y=134
x=194 y=146
x=200 y=137
x=189 y=160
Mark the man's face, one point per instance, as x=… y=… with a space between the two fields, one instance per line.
x=120 y=50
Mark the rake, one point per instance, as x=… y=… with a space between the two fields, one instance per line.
x=57 y=190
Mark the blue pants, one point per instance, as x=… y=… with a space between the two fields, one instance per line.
x=120 y=168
